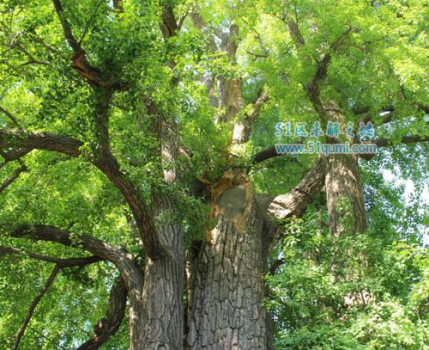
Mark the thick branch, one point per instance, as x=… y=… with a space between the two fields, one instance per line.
x=68 y=262
x=137 y=205
x=128 y=269
x=108 y=164
x=388 y=108
x=169 y=25
x=384 y=142
x=296 y=201
x=111 y=322
x=34 y=304
x=23 y=142
x=389 y=113
x=295 y=33
x=313 y=87
x=104 y=160
x=269 y=153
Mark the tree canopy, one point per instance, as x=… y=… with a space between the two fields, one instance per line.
x=122 y=122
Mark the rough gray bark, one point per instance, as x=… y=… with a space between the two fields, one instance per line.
x=343 y=184
x=344 y=196
x=226 y=308
x=226 y=275
x=156 y=319
x=295 y=202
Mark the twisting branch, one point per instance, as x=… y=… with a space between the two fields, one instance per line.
x=80 y=63
x=110 y=323
x=127 y=267
x=139 y=208
x=34 y=304
x=107 y=163
x=313 y=88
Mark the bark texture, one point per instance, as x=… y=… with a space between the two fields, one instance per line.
x=344 y=195
x=110 y=323
x=226 y=308
x=296 y=201
x=156 y=319
x=346 y=208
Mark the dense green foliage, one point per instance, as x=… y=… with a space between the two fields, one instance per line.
x=376 y=298
x=368 y=291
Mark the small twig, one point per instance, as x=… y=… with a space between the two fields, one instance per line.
x=34 y=304
x=12 y=178
x=10 y=116
x=90 y=21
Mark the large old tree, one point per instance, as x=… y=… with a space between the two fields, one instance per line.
x=141 y=192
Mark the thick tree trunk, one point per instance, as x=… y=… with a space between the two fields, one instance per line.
x=156 y=319
x=346 y=208
x=226 y=284
x=344 y=196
